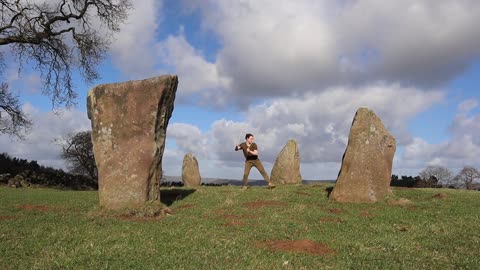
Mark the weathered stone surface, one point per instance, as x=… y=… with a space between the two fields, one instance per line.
x=286 y=169
x=129 y=122
x=191 y=172
x=367 y=162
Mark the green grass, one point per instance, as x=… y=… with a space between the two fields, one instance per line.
x=214 y=228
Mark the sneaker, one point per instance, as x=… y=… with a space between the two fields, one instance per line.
x=271 y=186
x=244 y=187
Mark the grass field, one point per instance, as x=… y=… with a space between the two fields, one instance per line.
x=290 y=227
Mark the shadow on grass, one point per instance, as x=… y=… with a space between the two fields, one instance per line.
x=169 y=196
x=329 y=190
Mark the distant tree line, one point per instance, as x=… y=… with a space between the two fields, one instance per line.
x=21 y=172
x=438 y=177
x=77 y=151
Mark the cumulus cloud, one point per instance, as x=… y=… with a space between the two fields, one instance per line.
x=280 y=48
x=133 y=50
x=188 y=138
x=40 y=144
x=462 y=148
x=197 y=76
x=319 y=122
x=283 y=48
x=322 y=121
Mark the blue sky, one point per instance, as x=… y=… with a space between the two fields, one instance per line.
x=283 y=69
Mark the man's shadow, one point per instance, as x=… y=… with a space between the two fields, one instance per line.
x=169 y=196
x=329 y=190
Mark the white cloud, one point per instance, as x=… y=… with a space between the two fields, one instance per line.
x=462 y=148
x=280 y=48
x=188 y=138
x=319 y=122
x=467 y=106
x=196 y=75
x=133 y=50
x=283 y=48
x=40 y=144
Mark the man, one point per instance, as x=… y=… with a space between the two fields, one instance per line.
x=250 y=151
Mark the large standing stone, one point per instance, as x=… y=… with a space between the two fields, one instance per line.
x=190 y=172
x=129 y=122
x=367 y=162
x=286 y=169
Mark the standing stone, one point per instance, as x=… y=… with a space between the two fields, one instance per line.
x=129 y=122
x=367 y=162
x=286 y=169
x=190 y=172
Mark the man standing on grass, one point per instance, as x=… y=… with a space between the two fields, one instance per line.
x=250 y=151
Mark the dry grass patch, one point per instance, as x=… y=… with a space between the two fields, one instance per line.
x=299 y=246
x=32 y=207
x=7 y=217
x=440 y=195
x=260 y=204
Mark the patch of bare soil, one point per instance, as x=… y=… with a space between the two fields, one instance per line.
x=185 y=206
x=335 y=211
x=440 y=196
x=260 y=204
x=303 y=193
x=7 y=217
x=366 y=214
x=330 y=220
x=402 y=228
x=33 y=207
x=401 y=202
x=301 y=246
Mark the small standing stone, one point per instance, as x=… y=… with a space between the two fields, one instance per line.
x=286 y=169
x=191 y=172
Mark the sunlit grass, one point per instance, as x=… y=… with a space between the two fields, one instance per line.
x=227 y=228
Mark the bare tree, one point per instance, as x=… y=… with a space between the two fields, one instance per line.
x=442 y=174
x=13 y=121
x=57 y=36
x=77 y=150
x=467 y=175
